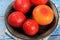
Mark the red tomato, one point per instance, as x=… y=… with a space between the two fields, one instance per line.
x=39 y=2
x=30 y=27
x=22 y=5
x=16 y=19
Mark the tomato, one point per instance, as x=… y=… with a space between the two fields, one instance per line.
x=30 y=27
x=43 y=14
x=39 y=2
x=22 y=5
x=16 y=19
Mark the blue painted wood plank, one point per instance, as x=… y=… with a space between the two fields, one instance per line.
x=54 y=38
x=2 y=27
x=3 y=6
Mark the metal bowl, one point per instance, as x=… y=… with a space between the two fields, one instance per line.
x=43 y=32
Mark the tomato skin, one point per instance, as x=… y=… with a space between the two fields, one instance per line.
x=39 y=2
x=22 y=5
x=16 y=19
x=43 y=14
x=30 y=27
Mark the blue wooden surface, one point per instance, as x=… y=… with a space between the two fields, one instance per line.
x=54 y=38
x=3 y=6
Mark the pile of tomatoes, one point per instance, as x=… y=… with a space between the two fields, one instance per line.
x=42 y=14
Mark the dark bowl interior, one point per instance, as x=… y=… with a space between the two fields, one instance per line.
x=43 y=32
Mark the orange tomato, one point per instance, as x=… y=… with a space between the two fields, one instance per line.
x=43 y=14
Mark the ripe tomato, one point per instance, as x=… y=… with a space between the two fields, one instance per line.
x=30 y=27
x=43 y=14
x=22 y=5
x=39 y=2
x=16 y=19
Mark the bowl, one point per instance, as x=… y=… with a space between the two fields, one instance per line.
x=42 y=33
